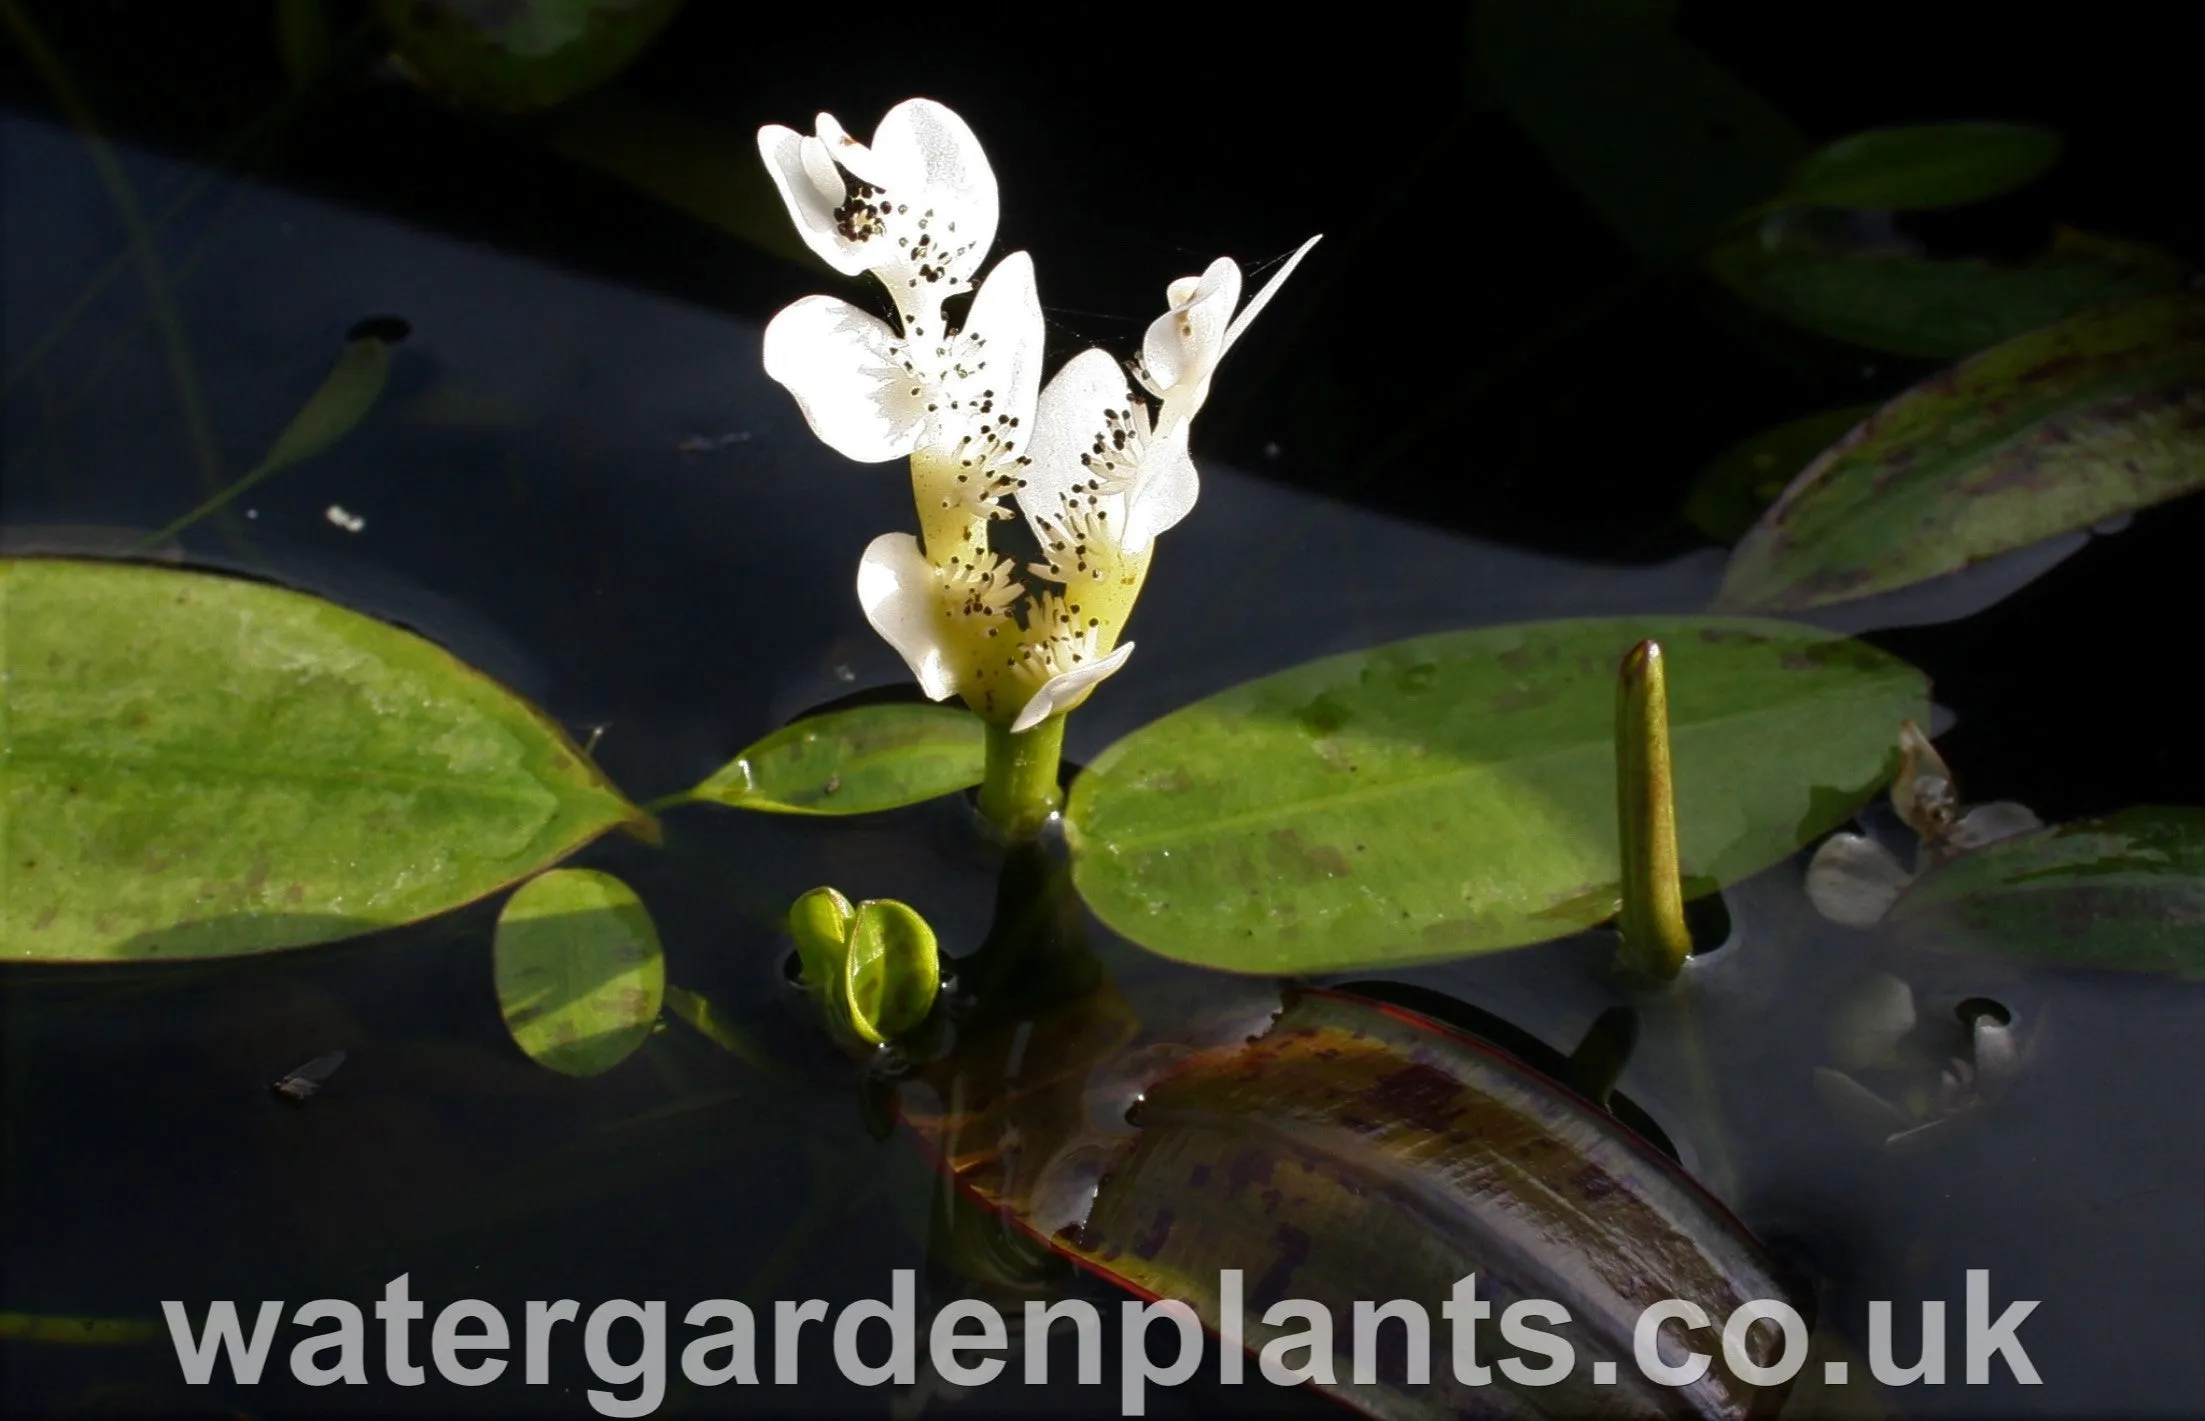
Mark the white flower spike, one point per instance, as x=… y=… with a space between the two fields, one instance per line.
x=1099 y=466
x=917 y=208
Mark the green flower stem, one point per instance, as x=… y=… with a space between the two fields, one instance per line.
x=1020 y=791
x=1655 y=939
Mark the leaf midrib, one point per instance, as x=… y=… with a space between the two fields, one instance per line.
x=1387 y=788
x=221 y=766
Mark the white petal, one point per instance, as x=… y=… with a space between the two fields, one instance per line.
x=812 y=190
x=1854 y=880
x=1006 y=319
x=1165 y=492
x=1988 y=823
x=840 y=364
x=1059 y=694
x=846 y=152
x=1067 y=419
x=898 y=590
x=922 y=143
x=1270 y=288
x=1183 y=345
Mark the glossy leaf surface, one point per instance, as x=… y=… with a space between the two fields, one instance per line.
x=2123 y=891
x=1350 y=1151
x=893 y=970
x=1456 y=794
x=201 y=766
x=579 y=970
x=1929 y=165
x=1939 y=309
x=2054 y=431
x=856 y=761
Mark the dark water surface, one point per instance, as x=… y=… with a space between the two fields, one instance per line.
x=590 y=490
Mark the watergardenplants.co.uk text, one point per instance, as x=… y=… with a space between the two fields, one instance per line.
x=470 y=1342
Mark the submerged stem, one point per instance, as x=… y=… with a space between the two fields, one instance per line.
x=1655 y=939
x=1020 y=790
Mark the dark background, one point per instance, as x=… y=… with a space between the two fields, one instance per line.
x=1457 y=351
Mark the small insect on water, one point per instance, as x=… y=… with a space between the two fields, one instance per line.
x=303 y=1082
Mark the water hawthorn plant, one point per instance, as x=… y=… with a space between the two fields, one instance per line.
x=1096 y=461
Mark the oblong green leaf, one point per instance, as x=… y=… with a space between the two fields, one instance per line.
x=1929 y=165
x=2124 y=891
x=2050 y=432
x=1938 y=309
x=200 y=766
x=579 y=971
x=1456 y=794
x=1732 y=491
x=855 y=761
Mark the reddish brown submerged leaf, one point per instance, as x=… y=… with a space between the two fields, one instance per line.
x=1354 y=1152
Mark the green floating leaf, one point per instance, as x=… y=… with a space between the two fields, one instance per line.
x=1730 y=493
x=199 y=766
x=856 y=761
x=1666 y=144
x=1456 y=794
x=580 y=975
x=516 y=56
x=1931 y=165
x=2053 y=431
x=1939 y=309
x=2123 y=891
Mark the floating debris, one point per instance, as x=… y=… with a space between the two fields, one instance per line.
x=711 y=443
x=307 y=1079
x=1854 y=880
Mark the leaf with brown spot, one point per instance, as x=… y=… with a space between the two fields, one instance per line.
x=2051 y=432
x=1482 y=813
x=201 y=766
x=2123 y=891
